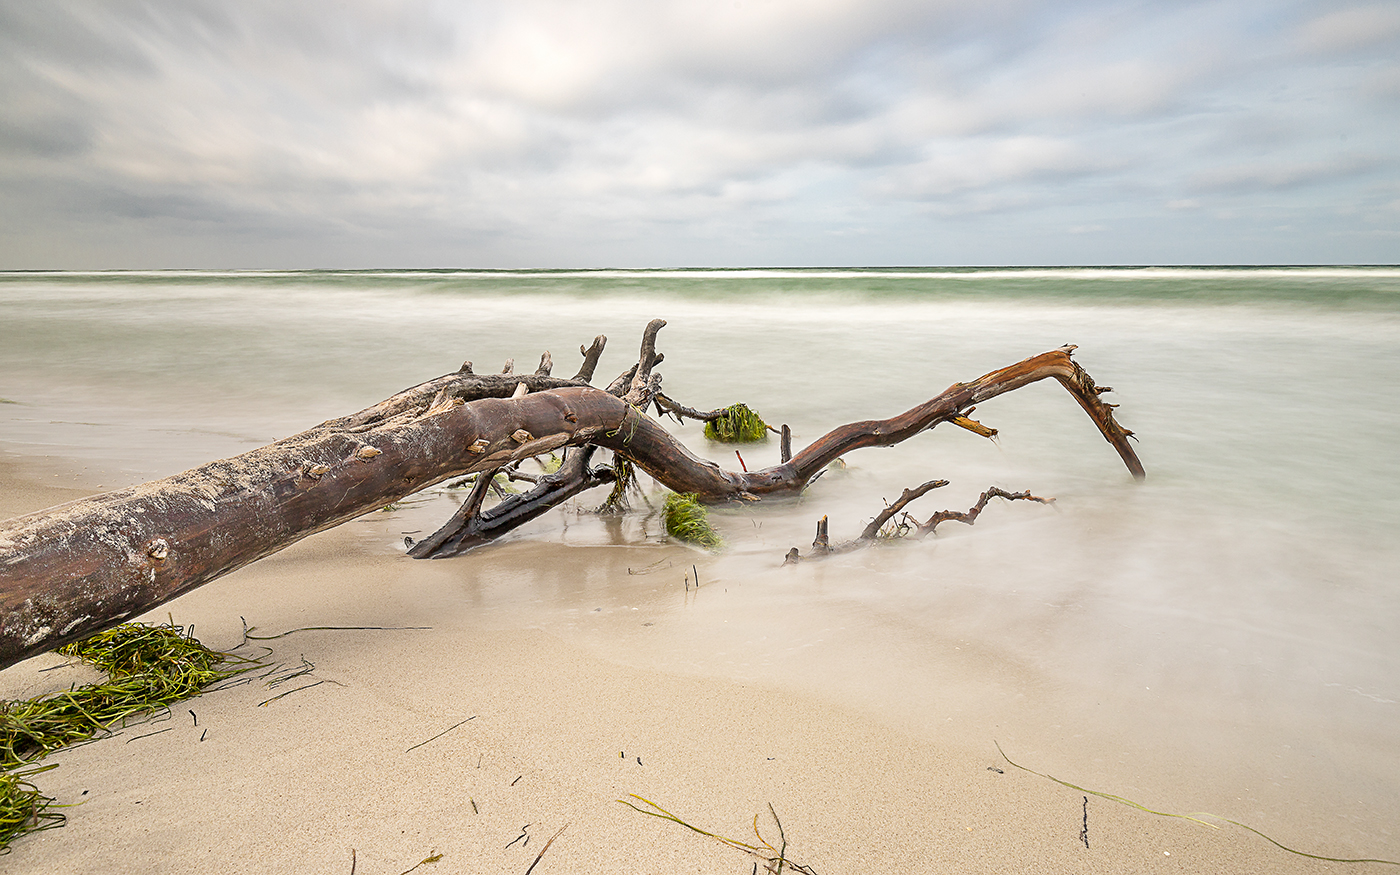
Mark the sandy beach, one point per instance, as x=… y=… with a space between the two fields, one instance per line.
x=479 y=742
x=1073 y=329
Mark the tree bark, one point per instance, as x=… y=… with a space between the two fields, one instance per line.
x=75 y=569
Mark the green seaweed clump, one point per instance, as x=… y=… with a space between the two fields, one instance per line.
x=148 y=667
x=687 y=521
x=23 y=809
x=737 y=425
x=178 y=665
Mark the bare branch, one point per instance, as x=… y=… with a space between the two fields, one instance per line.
x=822 y=546
x=666 y=404
x=639 y=392
x=872 y=531
x=590 y=359
x=970 y=516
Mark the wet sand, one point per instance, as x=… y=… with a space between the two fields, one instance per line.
x=366 y=764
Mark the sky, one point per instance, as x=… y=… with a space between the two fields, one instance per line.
x=666 y=133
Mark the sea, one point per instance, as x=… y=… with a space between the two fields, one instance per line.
x=1221 y=637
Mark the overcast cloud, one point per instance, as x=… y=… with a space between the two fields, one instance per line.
x=534 y=133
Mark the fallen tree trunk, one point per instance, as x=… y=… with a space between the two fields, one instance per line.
x=75 y=569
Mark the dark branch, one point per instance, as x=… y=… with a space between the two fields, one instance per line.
x=872 y=531
x=590 y=359
x=666 y=404
x=471 y=526
x=822 y=546
x=970 y=516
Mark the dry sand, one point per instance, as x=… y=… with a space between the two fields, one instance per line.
x=372 y=770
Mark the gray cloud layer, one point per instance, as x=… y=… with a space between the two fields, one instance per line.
x=637 y=132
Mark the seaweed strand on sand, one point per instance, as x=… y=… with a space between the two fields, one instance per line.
x=1194 y=817
x=148 y=668
x=774 y=859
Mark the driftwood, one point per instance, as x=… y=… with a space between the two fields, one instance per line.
x=75 y=569
x=907 y=525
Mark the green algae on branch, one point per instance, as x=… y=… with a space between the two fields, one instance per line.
x=737 y=425
x=687 y=520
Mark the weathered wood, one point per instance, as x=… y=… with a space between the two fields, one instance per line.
x=69 y=571
x=471 y=526
x=872 y=531
x=970 y=515
x=75 y=569
x=648 y=444
x=908 y=525
x=652 y=448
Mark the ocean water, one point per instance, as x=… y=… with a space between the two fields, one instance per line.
x=1224 y=636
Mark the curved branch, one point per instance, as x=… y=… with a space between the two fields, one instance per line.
x=471 y=526
x=666 y=404
x=654 y=450
x=872 y=531
x=970 y=515
x=821 y=547
x=954 y=402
